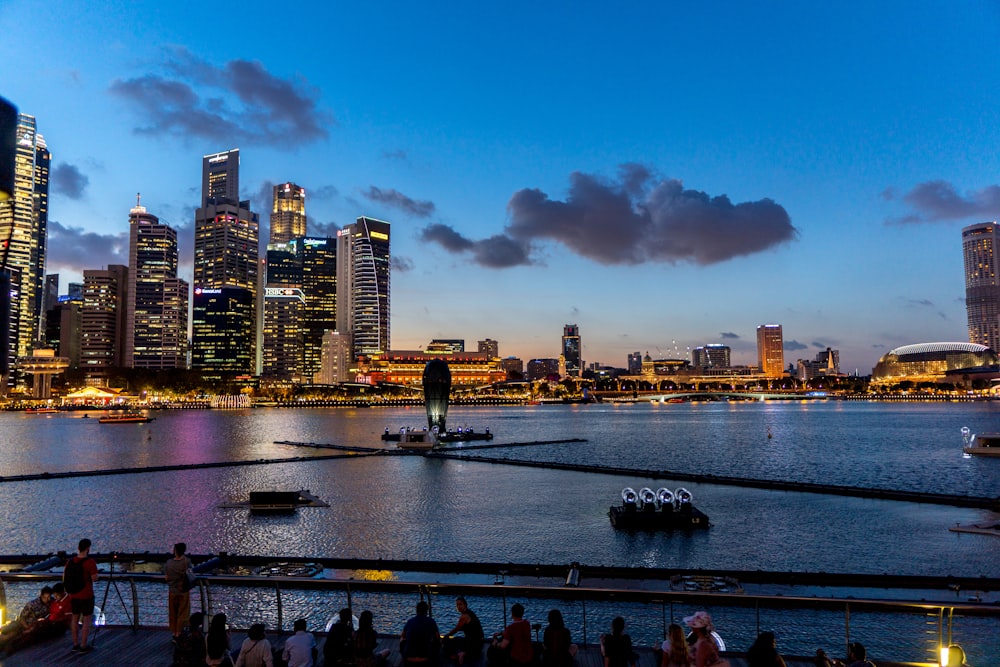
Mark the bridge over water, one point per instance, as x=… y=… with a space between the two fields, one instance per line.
x=720 y=395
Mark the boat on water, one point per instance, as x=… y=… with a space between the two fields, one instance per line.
x=41 y=411
x=980 y=444
x=125 y=418
x=662 y=510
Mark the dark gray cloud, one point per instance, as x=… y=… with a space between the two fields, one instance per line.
x=640 y=218
x=938 y=201
x=324 y=229
x=794 y=345
x=323 y=192
x=396 y=199
x=635 y=219
x=239 y=102
x=728 y=334
x=495 y=252
x=398 y=154
x=75 y=249
x=819 y=345
x=401 y=264
x=69 y=181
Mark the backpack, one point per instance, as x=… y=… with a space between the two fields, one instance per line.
x=73 y=576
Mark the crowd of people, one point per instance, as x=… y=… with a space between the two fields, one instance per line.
x=353 y=642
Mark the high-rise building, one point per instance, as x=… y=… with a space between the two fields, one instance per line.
x=770 y=350
x=514 y=367
x=363 y=285
x=571 y=350
x=712 y=355
x=490 y=347
x=335 y=365
x=319 y=289
x=103 y=320
x=157 y=311
x=288 y=213
x=543 y=369
x=282 y=335
x=635 y=363
x=216 y=313
x=225 y=262
x=23 y=230
x=64 y=323
x=982 y=283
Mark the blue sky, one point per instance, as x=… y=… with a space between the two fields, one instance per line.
x=663 y=175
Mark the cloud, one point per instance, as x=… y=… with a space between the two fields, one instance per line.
x=397 y=154
x=75 y=249
x=401 y=264
x=69 y=181
x=323 y=192
x=495 y=252
x=794 y=345
x=728 y=334
x=640 y=218
x=324 y=229
x=817 y=344
x=918 y=303
x=396 y=199
x=633 y=220
x=936 y=201
x=238 y=102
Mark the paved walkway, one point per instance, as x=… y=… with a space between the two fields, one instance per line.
x=151 y=647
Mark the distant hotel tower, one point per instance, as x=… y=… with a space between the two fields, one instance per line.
x=571 y=350
x=224 y=313
x=770 y=350
x=363 y=286
x=157 y=313
x=23 y=227
x=982 y=290
x=288 y=213
x=103 y=321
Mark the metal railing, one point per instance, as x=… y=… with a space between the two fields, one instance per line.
x=140 y=601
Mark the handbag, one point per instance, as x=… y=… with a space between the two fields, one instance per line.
x=189 y=580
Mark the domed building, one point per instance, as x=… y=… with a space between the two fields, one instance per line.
x=936 y=362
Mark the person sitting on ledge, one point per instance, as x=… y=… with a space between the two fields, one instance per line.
x=32 y=613
x=471 y=642
x=339 y=646
x=857 y=656
x=189 y=651
x=420 y=642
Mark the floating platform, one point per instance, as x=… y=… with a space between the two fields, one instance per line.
x=413 y=435
x=988 y=528
x=278 y=502
x=662 y=510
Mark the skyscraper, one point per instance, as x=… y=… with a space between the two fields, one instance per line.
x=363 y=285
x=23 y=229
x=288 y=213
x=490 y=347
x=571 y=350
x=157 y=311
x=713 y=355
x=225 y=258
x=105 y=295
x=770 y=350
x=982 y=288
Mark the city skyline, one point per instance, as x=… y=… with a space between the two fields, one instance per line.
x=811 y=167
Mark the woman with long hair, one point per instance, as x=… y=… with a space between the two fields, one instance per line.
x=675 y=648
x=705 y=651
x=764 y=652
x=556 y=642
x=617 y=647
x=217 y=642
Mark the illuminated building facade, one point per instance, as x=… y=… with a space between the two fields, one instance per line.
x=513 y=367
x=770 y=350
x=363 y=285
x=711 y=356
x=982 y=289
x=489 y=346
x=571 y=350
x=288 y=213
x=23 y=230
x=103 y=321
x=216 y=314
x=282 y=336
x=335 y=359
x=157 y=311
x=319 y=289
x=543 y=369
x=226 y=257
x=406 y=367
x=63 y=326
x=446 y=345
x=635 y=363
x=933 y=362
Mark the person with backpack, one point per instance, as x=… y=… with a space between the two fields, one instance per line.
x=79 y=577
x=179 y=595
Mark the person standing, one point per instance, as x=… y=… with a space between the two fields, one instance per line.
x=79 y=577
x=179 y=596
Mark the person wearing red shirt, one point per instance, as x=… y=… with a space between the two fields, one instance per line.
x=82 y=601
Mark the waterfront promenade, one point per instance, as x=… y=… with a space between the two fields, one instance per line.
x=151 y=647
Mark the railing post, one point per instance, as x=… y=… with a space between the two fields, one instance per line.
x=349 y=603
x=847 y=627
x=584 y=622
x=756 y=606
x=135 y=603
x=277 y=595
